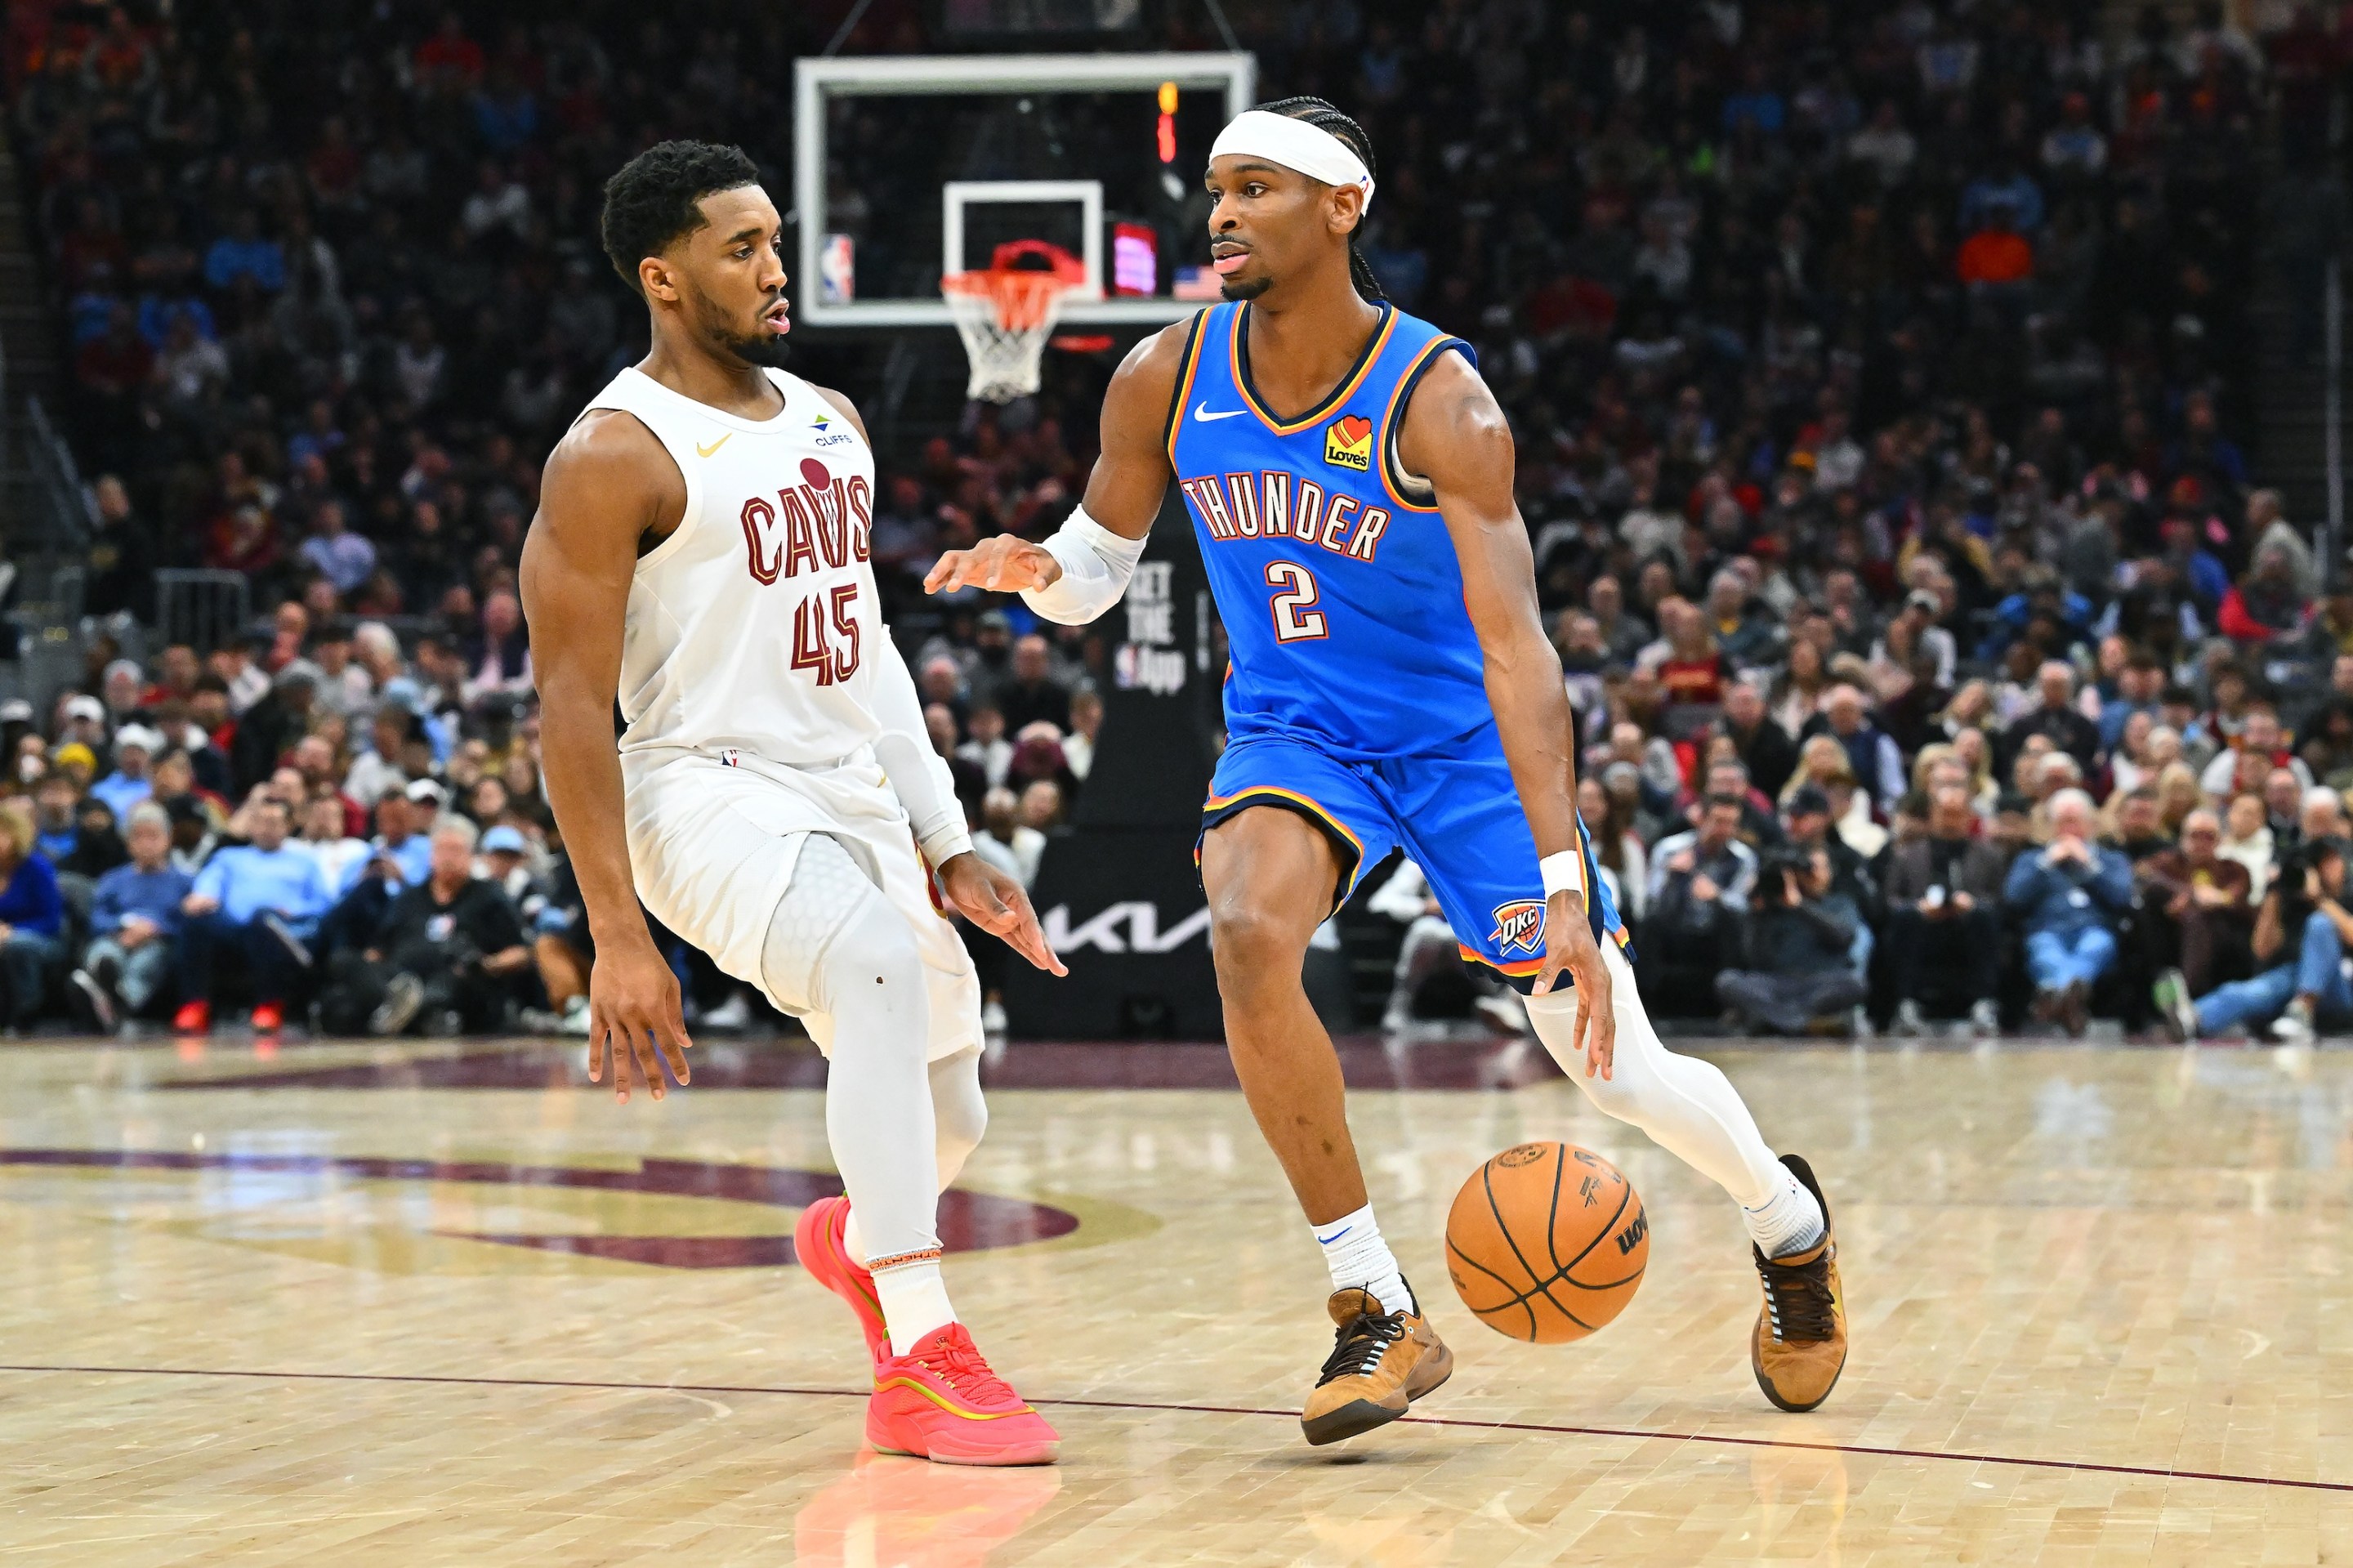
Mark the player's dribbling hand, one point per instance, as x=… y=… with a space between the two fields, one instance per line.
x=633 y=1010
x=1000 y=563
x=995 y=902
x=1569 y=948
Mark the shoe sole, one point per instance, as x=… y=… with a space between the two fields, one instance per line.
x=398 y=1012
x=101 y=1006
x=997 y=1458
x=1352 y=1419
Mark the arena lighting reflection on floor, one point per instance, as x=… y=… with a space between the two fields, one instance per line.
x=969 y=1221
x=1368 y=1062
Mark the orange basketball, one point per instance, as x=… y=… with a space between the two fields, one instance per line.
x=1546 y=1242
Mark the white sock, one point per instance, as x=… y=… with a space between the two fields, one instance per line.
x=849 y=1241
x=1791 y=1221
x=1360 y=1260
x=914 y=1302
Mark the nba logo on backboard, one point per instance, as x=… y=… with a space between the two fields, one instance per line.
x=1519 y=923
x=1348 y=443
x=836 y=270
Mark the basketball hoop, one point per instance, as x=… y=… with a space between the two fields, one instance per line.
x=1006 y=312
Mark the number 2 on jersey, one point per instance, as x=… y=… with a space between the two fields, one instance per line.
x=1293 y=621
x=810 y=647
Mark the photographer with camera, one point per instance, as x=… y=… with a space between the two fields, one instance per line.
x=2303 y=931
x=1799 y=935
x=450 y=950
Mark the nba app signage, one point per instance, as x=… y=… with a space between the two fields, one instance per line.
x=1116 y=892
x=1150 y=659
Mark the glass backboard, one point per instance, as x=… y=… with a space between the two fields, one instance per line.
x=906 y=167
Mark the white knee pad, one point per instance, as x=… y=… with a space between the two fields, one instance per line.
x=834 y=928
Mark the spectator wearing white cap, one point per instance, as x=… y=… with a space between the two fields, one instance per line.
x=135 y=747
x=82 y=718
x=505 y=860
x=425 y=797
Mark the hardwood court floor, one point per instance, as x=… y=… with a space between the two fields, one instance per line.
x=431 y=1304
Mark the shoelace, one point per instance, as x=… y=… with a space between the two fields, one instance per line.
x=961 y=1363
x=1361 y=1344
x=1798 y=1298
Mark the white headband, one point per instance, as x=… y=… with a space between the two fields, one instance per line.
x=1295 y=144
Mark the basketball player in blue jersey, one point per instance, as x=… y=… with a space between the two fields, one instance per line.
x=1349 y=476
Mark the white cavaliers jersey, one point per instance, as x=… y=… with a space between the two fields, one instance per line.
x=751 y=627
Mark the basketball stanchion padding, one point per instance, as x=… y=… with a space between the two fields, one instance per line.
x=1006 y=312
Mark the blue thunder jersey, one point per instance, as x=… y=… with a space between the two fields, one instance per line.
x=1357 y=693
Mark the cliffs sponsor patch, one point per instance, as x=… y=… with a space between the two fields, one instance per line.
x=1348 y=443
x=1519 y=923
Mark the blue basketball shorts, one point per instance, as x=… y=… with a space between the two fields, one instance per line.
x=1456 y=814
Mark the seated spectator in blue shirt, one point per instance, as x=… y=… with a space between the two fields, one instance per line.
x=261 y=900
x=56 y=832
x=397 y=840
x=135 y=746
x=134 y=920
x=2068 y=898
x=344 y=558
x=32 y=916
x=243 y=252
x=2302 y=931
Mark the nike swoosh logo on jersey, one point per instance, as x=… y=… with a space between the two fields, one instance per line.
x=1201 y=412
x=701 y=451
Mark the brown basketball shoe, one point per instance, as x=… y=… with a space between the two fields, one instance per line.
x=1799 y=1347
x=1381 y=1362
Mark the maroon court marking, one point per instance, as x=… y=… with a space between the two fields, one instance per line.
x=969 y=1221
x=2151 y=1472
x=1367 y=1062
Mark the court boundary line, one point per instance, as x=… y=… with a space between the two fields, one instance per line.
x=1635 y=1434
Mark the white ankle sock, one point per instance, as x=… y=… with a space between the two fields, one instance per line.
x=914 y=1302
x=1359 y=1259
x=1790 y=1220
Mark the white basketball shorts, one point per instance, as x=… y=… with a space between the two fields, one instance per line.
x=713 y=842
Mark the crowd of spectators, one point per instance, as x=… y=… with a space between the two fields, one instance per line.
x=1879 y=374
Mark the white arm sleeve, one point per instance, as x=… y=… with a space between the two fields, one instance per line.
x=1096 y=564
x=919 y=776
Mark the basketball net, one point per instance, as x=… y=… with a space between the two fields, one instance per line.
x=1005 y=312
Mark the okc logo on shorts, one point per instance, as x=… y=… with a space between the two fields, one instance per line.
x=1519 y=923
x=1348 y=443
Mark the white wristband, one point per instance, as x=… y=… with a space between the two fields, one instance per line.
x=1096 y=564
x=1563 y=872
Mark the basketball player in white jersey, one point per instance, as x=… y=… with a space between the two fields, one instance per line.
x=701 y=554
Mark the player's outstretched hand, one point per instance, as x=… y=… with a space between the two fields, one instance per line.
x=633 y=1010
x=1569 y=947
x=995 y=902
x=1000 y=563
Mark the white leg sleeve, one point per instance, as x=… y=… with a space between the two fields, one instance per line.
x=1688 y=1106
x=958 y=1111
x=837 y=946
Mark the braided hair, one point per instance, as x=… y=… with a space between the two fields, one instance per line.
x=1321 y=114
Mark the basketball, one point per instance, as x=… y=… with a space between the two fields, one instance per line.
x=1546 y=1242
